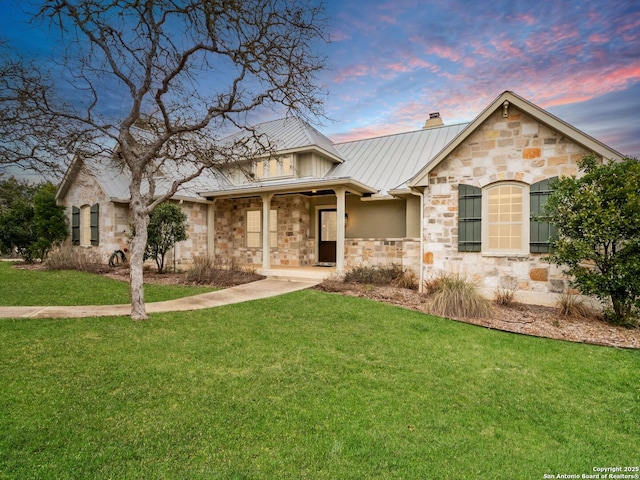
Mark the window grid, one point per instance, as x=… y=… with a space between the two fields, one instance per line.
x=505 y=218
x=254 y=228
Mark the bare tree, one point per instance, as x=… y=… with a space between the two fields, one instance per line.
x=32 y=139
x=161 y=78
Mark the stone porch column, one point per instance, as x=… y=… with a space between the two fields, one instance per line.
x=340 y=232
x=266 y=246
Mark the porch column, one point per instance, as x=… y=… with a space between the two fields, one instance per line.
x=340 y=234
x=211 y=228
x=266 y=247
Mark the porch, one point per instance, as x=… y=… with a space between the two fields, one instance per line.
x=311 y=273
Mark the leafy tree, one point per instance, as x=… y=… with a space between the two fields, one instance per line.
x=49 y=221
x=167 y=226
x=598 y=220
x=30 y=221
x=16 y=229
x=184 y=74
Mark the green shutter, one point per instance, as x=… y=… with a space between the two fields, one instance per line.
x=469 y=218
x=95 y=224
x=75 y=225
x=541 y=234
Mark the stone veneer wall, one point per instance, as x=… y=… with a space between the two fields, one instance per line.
x=377 y=251
x=294 y=248
x=113 y=218
x=115 y=224
x=519 y=149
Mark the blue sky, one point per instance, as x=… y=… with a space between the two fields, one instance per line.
x=392 y=62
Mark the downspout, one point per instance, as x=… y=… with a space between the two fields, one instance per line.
x=420 y=194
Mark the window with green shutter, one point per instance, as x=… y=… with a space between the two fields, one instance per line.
x=540 y=233
x=469 y=218
x=95 y=224
x=75 y=225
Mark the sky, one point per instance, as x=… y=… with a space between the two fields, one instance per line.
x=392 y=62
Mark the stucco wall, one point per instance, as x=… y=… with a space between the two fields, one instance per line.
x=517 y=149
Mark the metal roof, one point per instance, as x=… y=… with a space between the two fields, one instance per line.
x=388 y=162
x=378 y=164
x=292 y=133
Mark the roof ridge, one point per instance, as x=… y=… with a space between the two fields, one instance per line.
x=403 y=133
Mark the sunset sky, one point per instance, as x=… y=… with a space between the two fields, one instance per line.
x=392 y=62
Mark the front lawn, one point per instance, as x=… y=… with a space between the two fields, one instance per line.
x=308 y=385
x=70 y=287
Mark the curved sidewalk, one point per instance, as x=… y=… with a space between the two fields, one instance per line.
x=269 y=287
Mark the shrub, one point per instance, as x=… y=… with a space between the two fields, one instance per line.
x=213 y=271
x=67 y=257
x=598 y=221
x=504 y=297
x=458 y=298
x=383 y=275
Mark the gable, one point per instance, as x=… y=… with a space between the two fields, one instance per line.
x=513 y=109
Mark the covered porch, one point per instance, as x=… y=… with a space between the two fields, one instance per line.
x=295 y=226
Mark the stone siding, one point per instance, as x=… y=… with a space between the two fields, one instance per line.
x=514 y=149
x=378 y=251
x=294 y=247
x=114 y=222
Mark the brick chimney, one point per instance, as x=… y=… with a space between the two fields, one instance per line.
x=434 y=120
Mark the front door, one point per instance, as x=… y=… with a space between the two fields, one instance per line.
x=327 y=228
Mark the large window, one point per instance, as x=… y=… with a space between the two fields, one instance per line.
x=85 y=223
x=254 y=228
x=498 y=218
x=505 y=204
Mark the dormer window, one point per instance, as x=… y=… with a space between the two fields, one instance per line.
x=274 y=167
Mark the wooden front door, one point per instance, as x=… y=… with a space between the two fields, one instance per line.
x=327 y=235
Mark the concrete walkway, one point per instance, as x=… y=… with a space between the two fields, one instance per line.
x=269 y=287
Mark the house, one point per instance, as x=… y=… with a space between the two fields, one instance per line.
x=442 y=199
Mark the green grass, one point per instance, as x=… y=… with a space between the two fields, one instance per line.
x=307 y=385
x=71 y=287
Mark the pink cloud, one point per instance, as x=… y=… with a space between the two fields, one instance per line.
x=598 y=38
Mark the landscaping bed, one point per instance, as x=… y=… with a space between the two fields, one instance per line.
x=521 y=318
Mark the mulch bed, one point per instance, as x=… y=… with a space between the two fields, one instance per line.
x=520 y=318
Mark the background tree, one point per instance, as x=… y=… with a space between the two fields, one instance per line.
x=598 y=220
x=49 y=221
x=31 y=222
x=161 y=81
x=167 y=226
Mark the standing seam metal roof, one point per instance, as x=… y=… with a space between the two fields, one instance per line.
x=388 y=162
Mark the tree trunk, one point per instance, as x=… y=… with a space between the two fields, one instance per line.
x=138 y=247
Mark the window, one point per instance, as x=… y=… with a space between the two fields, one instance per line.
x=505 y=207
x=469 y=218
x=494 y=219
x=254 y=228
x=541 y=234
x=274 y=167
x=85 y=223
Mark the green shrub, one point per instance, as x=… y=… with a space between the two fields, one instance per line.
x=458 y=298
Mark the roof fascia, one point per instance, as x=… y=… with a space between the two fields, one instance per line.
x=421 y=179
x=353 y=186
x=69 y=176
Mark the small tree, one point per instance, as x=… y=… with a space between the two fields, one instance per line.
x=598 y=220
x=167 y=226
